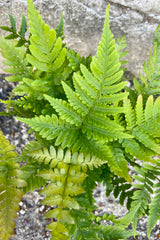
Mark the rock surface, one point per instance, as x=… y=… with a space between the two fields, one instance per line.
x=135 y=19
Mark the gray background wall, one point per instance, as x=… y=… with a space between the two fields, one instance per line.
x=135 y=19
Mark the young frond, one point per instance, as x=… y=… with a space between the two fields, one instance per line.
x=47 y=51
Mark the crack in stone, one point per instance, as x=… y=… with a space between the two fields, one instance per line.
x=146 y=17
x=90 y=9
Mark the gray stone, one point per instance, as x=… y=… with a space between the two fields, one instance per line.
x=135 y=19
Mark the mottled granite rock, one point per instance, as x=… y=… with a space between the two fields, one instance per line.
x=136 y=19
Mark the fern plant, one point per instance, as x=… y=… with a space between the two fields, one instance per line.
x=89 y=127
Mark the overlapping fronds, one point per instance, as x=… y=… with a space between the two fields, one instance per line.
x=47 y=52
x=143 y=124
x=149 y=81
x=88 y=130
x=50 y=127
x=146 y=181
x=95 y=93
x=85 y=120
x=10 y=195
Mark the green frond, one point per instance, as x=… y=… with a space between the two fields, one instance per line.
x=10 y=195
x=47 y=51
x=143 y=123
x=65 y=182
x=95 y=91
x=14 y=34
x=149 y=79
x=15 y=60
x=114 y=232
x=53 y=157
x=142 y=196
x=122 y=190
x=156 y=107
x=65 y=111
x=154 y=209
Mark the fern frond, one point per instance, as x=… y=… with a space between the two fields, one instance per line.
x=114 y=232
x=86 y=120
x=149 y=80
x=47 y=52
x=142 y=196
x=143 y=123
x=65 y=183
x=98 y=92
x=15 y=59
x=10 y=195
